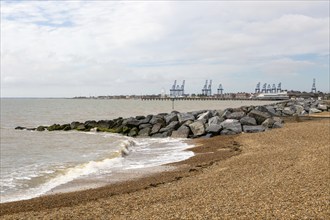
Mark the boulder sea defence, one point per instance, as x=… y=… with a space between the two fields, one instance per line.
x=198 y=123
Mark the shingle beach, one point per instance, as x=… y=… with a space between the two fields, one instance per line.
x=278 y=174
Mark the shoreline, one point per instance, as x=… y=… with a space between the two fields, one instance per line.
x=222 y=147
x=205 y=155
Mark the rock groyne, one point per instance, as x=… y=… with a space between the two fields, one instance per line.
x=199 y=123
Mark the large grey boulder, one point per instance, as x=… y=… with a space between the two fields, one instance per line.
x=80 y=127
x=172 y=126
x=157 y=120
x=219 y=112
x=231 y=126
x=226 y=113
x=141 y=126
x=288 y=111
x=322 y=107
x=307 y=108
x=187 y=123
x=117 y=123
x=140 y=117
x=183 y=117
x=75 y=124
x=278 y=119
x=167 y=133
x=298 y=109
x=277 y=125
x=215 y=120
x=271 y=109
x=214 y=128
x=145 y=132
x=204 y=116
x=196 y=113
x=156 y=128
x=131 y=122
x=259 y=116
x=21 y=128
x=268 y=123
x=133 y=132
x=197 y=128
x=214 y=113
x=314 y=110
x=182 y=132
x=248 y=121
x=278 y=122
x=90 y=124
x=236 y=115
x=41 y=128
x=170 y=118
x=289 y=103
x=146 y=120
x=253 y=129
x=261 y=108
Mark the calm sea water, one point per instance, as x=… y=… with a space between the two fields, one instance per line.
x=36 y=163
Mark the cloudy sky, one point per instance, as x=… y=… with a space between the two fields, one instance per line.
x=82 y=48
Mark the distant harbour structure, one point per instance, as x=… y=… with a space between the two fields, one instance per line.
x=314 y=86
x=257 y=90
x=279 y=89
x=207 y=89
x=220 y=90
x=270 y=92
x=267 y=88
x=177 y=90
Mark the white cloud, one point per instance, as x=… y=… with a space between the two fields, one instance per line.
x=285 y=67
x=146 y=45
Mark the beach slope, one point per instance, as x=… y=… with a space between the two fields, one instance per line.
x=278 y=174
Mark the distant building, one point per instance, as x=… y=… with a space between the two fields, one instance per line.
x=243 y=95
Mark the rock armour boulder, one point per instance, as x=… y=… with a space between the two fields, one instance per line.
x=231 y=126
x=197 y=128
x=199 y=123
x=182 y=132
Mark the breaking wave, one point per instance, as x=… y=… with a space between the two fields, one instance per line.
x=69 y=174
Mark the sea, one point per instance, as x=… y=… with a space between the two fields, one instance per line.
x=40 y=163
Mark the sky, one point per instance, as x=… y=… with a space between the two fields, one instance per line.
x=95 y=48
